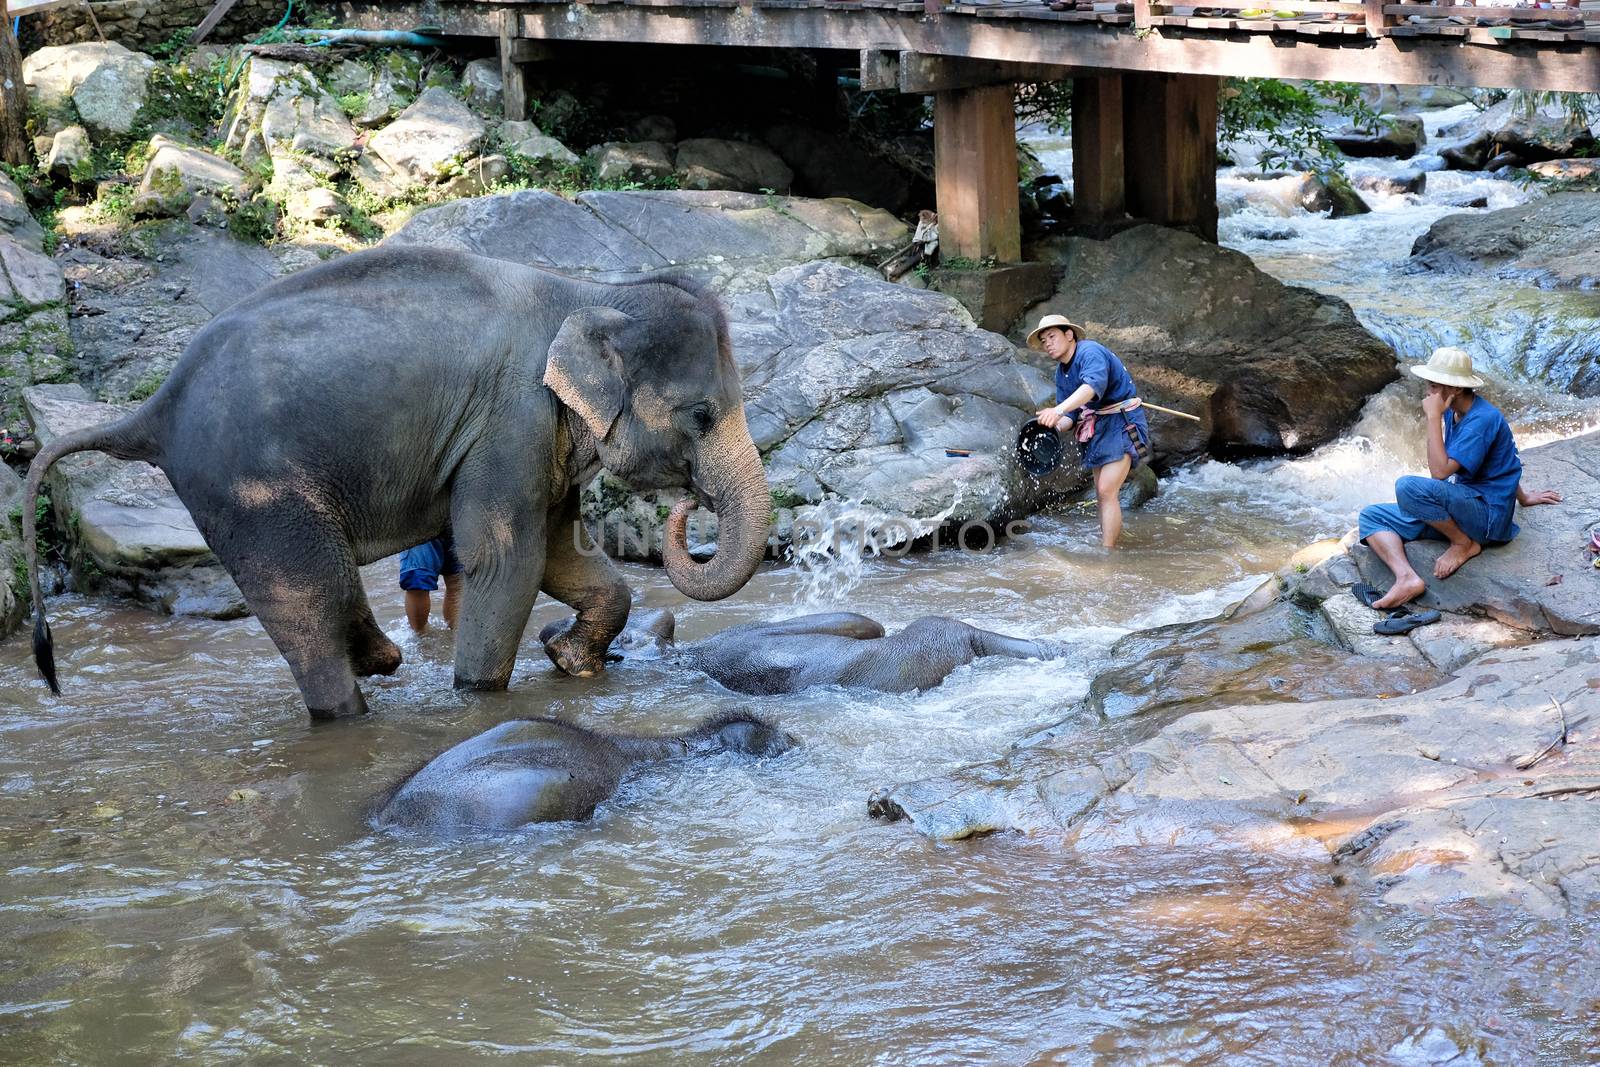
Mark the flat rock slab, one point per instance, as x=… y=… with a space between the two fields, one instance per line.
x=131 y=529
x=1333 y=778
x=1549 y=242
x=1513 y=583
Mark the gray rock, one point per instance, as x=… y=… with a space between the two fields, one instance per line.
x=347 y=78
x=1544 y=132
x=525 y=139
x=1393 y=185
x=1567 y=170
x=1391 y=783
x=616 y=161
x=15 y=219
x=653 y=128
x=1470 y=154
x=1352 y=622
x=1268 y=367
x=110 y=98
x=477 y=176
x=126 y=530
x=303 y=117
x=481 y=85
x=35 y=347
x=731 y=240
x=436 y=130
x=1511 y=583
x=1345 y=201
x=1398 y=137
x=13 y=591
x=69 y=150
x=393 y=88
x=31 y=277
x=711 y=163
x=176 y=174
x=1548 y=241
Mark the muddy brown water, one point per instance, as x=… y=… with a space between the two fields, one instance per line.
x=187 y=874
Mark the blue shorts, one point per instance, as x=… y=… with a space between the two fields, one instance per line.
x=1423 y=500
x=421 y=566
x=1124 y=433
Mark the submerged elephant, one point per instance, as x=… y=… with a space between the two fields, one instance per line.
x=544 y=770
x=348 y=411
x=840 y=648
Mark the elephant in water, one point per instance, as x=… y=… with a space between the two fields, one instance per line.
x=356 y=408
x=544 y=770
x=840 y=648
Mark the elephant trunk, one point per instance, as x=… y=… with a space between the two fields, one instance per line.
x=728 y=470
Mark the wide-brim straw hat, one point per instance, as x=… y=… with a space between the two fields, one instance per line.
x=1448 y=366
x=1059 y=321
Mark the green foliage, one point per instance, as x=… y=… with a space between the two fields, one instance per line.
x=1291 y=116
x=1049 y=103
x=115 y=202
x=254 y=220
x=171 y=48
x=353 y=104
x=146 y=386
x=964 y=263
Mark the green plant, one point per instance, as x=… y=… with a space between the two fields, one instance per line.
x=353 y=104
x=172 y=47
x=966 y=263
x=115 y=202
x=146 y=386
x=254 y=220
x=1290 y=116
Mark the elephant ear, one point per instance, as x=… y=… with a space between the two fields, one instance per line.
x=584 y=369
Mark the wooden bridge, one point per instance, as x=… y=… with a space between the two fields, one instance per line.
x=1145 y=74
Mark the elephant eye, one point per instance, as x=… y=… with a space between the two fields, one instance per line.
x=702 y=418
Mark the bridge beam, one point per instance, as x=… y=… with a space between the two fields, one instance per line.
x=975 y=173
x=1169 y=124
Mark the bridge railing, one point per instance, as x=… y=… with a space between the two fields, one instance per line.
x=1377 y=18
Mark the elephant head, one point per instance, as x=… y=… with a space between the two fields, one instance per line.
x=651 y=375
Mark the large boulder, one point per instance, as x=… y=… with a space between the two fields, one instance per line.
x=13 y=590
x=1550 y=242
x=827 y=164
x=526 y=139
x=711 y=163
x=481 y=84
x=630 y=161
x=177 y=173
x=103 y=83
x=1541 y=582
x=70 y=153
x=16 y=221
x=30 y=277
x=1397 y=137
x=1548 y=131
x=281 y=107
x=856 y=388
x=1268 y=368
x=435 y=131
x=731 y=240
x=1382 y=785
x=394 y=86
x=127 y=532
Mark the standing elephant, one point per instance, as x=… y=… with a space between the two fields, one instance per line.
x=351 y=410
x=839 y=648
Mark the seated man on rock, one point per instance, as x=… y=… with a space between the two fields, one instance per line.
x=840 y=648
x=1474 y=486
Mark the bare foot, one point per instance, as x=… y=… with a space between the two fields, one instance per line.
x=1454 y=557
x=1400 y=592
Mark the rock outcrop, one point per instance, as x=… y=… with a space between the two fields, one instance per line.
x=710 y=163
x=102 y=84
x=130 y=535
x=1549 y=242
x=1398 y=137
x=434 y=132
x=13 y=590
x=177 y=173
x=1269 y=368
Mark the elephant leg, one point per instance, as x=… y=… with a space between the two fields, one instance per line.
x=502 y=548
x=307 y=594
x=836 y=623
x=590 y=585
x=371 y=651
x=989 y=643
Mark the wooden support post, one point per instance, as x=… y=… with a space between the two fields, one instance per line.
x=1097 y=170
x=513 y=77
x=1377 y=22
x=1170 y=149
x=975 y=173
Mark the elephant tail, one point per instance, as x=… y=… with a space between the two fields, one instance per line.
x=127 y=438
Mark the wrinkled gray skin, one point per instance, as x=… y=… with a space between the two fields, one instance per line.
x=351 y=410
x=839 y=648
x=544 y=770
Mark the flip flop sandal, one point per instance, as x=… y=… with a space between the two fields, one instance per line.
x=1366 y=594
x=1396 y=625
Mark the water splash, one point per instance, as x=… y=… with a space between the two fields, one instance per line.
x=834 y=540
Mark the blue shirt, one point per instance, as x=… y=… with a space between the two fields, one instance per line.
x=1481 y=442
x=1095 y=365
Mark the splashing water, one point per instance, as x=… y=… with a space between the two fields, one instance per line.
x=833 y=541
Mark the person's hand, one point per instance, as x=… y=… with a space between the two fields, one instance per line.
x=1533 y=497
x=1052 y=418
x=1434 y=403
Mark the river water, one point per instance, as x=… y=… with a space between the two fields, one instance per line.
x=187 y=874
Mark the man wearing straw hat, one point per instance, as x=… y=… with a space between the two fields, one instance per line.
x=1474 y=483
x=1095 y=392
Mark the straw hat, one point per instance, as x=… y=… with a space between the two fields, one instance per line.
x=1059 y=321
x=1448 y=366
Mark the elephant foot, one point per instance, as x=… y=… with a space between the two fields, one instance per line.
x=354 y=704
x=575 y=657
x=491 y=685
x=382 y=658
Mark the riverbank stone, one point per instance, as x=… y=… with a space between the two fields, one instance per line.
x=1268 y=368
x=13 y=589
x=1549 y=242
x=102 y=84
x=1397 y=137
x=177 y=173
x=712 y=163
x=437 y=129
x=1330 y=782
x=127 y=532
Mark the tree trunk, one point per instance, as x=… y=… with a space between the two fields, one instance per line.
x=14 y=146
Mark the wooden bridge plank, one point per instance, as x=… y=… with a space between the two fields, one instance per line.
x=1402 y=61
